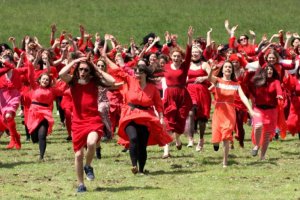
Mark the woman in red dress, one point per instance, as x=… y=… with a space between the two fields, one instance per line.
x=266 y=92
x=39 y=120
x=177 y=101
x=10 y=87
x=198 y=89
x=138 y=123
x=87 y=126
x=224 y=117
x=292 y=83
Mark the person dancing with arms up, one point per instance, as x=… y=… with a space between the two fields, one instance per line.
x=177 y=101
x=87 y=126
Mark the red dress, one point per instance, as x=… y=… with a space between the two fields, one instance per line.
x=147 y=97
x=41 y=102
x=199 y=93
x=177 y=101
x=85 y=118
x=293 y=120
x=224 y=117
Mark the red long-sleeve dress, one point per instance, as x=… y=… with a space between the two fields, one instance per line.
x=147 y=97
x=177 y=101
x=293 y=120
x=41 y=102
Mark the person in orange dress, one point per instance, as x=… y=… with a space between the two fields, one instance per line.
x=224 y=117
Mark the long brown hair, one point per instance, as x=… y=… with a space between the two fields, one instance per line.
x=94 y=74
x=260 y=77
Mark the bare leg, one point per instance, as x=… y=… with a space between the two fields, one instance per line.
x=191 y=124
x=177 y=140
x=79 y=166
x=91 y=147
x=225 y=152
x=265 y=144
x=257 y=135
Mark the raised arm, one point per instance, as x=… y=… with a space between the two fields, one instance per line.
x=253 y=37
x=210 y=76
x=13 y=42
x=52 y=34
x=64 y=72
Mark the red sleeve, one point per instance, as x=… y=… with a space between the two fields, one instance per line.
x=32 y=83
x=165 y=50
x=187 y=58
x=157 y=100
x=18 y=51
x=261 y=58
x=4 y=70
x=61 y=38
x=288 y=82
x=278 y=88
x=80 y=42
x=231 y=42
x=207 y=53
x=51 y=42
x=288 y=66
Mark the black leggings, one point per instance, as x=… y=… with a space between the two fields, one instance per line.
x=138 y=136
x=60 y=110
x=39 y=135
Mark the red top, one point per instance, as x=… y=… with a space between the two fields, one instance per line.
x=134 y=94
x=177 y=77
x=266 y=95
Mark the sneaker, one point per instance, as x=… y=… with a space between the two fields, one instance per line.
x=190 y=144
x=216 y=147
x=89 y=172
x=81 y=188
x=69 y=138
x=255 y=151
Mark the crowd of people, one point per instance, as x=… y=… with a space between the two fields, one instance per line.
x=150 y=93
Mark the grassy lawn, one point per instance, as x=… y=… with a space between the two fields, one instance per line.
x=188 y=174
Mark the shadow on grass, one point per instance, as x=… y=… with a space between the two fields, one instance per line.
x=126 y=188
x=174 y=172
x=272 y=161
x=12 y=165
x=291 y=153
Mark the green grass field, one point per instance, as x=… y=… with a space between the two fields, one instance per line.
x=188 y=174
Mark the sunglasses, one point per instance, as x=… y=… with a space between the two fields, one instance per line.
x=138 y=71
x=65 y=43
x=84 y=69
x=241 y=39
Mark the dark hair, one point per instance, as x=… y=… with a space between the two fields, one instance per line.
x=232 y=76
x=150 y=73
x=163 y=56
x=95 y=75
x=4 y=46
x=145 y=40
x=246 y=36
x=293 y=40
x=297 y=73
x=260 y=77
